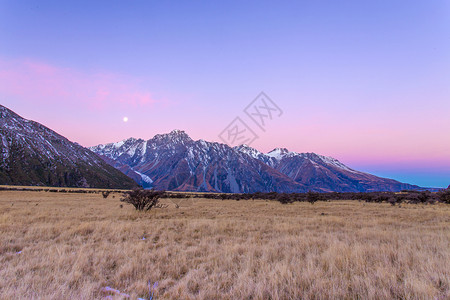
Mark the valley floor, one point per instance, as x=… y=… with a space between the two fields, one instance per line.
x=71 y=246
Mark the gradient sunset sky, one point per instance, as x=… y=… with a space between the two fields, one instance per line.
x=366 y=82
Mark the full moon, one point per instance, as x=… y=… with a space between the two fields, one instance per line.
x=125 y=119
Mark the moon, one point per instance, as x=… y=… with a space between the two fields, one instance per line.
x=125 y=119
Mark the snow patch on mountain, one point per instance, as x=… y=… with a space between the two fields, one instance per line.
x=118 y=144
x=278 y=153
x=334 y=162
x=249 y=150
x=144 y=177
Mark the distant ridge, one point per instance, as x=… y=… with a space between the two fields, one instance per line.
x=32 y=154
x=174 y=161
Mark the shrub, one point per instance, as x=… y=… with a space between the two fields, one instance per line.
x=444 y=196
x=367 y=197
x=284 y=198
x=142 y=199
x=312 y=197
x=105 y=194
x=392 y=200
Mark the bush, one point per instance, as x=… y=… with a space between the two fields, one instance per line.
x=142 y=199
x=444 y=196
x=312 y=197
x=105 y=194
x=413 y=197
x=392 y=200
x=424 y=197
x=284 y=198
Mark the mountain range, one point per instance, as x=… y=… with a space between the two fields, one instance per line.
x=32 y=154
x=176 y=162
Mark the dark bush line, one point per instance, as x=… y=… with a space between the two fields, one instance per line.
x=56 y=190
x=414 y=197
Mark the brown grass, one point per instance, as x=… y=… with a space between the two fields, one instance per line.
x=73 y=245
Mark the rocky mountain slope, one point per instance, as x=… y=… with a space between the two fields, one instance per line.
x=32 y=154
x=174 y=161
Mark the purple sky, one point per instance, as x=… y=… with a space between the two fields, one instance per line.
x=364 y=82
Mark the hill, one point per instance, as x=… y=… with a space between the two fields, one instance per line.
x=32 y=154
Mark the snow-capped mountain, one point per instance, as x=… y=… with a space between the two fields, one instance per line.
x=174 y=161
x=32 y=154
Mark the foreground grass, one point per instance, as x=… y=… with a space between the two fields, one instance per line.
x=73 y=245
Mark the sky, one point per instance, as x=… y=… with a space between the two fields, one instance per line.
x=366 y=82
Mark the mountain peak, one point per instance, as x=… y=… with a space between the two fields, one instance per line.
x=176 y=131
x=175 y=135
x=244 y=148
x=132 y=140
x=278 y=153
x=119 y=144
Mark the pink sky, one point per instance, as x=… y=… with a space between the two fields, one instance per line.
x=88 y=107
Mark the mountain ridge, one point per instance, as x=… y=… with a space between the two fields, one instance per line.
x=33 y=154
x=174 y=161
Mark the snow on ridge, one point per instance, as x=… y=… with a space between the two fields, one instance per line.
x=278 y=153
x=144 y=148
x=177 y=131
x=244 y=148
x=203 y=143
x=131 y=151
x=118 y=144
x=334 y=162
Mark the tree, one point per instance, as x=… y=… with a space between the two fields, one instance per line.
x=142 y=199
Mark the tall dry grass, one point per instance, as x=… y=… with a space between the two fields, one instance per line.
x=73 y=245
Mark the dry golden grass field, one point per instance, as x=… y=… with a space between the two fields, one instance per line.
x=71 y=246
